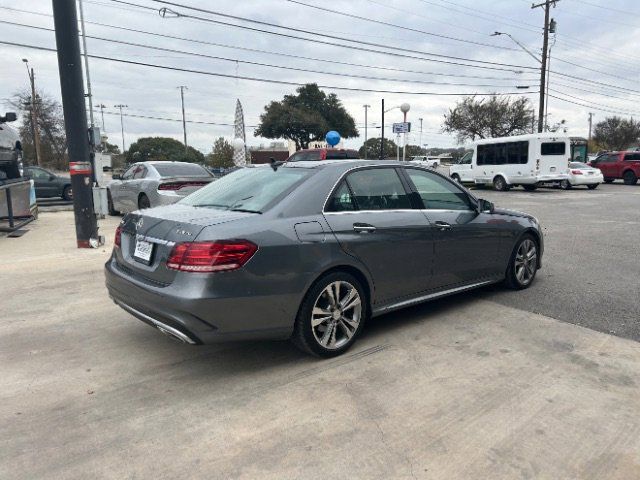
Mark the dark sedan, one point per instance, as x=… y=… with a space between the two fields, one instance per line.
x=311 y=250
x=48 y=184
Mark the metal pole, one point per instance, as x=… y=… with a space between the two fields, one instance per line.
x=366 y=108
x=102 y=107
x=92 y=143
x=397 y=147
x=546 y=101
x=382 y=134
x=404 y=140
x=75 y=119
x=590 y=121
x=184 y=122
x=420 y=144
x=120 y=106
x=543 y=66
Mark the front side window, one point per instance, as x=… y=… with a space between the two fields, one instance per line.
x=37 y=173
x=128 y=175
x=553 y=148
x=140 y=172
x=248 y=189
x=378 y=189
x=438 y=193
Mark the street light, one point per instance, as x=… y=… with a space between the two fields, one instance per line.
x=366 y=108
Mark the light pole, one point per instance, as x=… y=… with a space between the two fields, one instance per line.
x=404 y=108
x=184 y=121
x=420 y=142
x=366 y=108
x=34 y=112
x=121 y=106
x=102 y=106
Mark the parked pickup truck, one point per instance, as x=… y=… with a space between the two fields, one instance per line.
x=614 y=165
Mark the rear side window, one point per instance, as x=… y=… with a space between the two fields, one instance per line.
x=438 y=193
x=378 y=189
x=341 y=200
x=507 y=153
x=140 y=172
x=553 y=148
x=632 y=156
x=178 y=169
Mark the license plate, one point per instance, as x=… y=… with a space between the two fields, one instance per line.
x=143 y=251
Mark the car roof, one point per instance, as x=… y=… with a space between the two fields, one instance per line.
x=344 y=164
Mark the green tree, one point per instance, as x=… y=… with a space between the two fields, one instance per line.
x=162 y=148
x=495 y=116
x=221 y=154
x=53 y=140
x=615 y=133
x=372 y=147
x=306 y=117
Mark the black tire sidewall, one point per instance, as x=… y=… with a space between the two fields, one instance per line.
x=511 y=279
x=140 y=202
x=303 y=335
x=65 y=193
x=629 y=178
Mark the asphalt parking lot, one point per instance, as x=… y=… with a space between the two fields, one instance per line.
x=493 y=384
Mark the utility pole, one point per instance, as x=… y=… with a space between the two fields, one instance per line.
x=382 y=134
x=120 y=106
x=590 y=123
x=552 y=29
x=184 y=121
x=420 y=143
x=34 y=112
x=366 y=108
x=543 y=68
x=92 y=137
x=65 y=19
x=102 y=106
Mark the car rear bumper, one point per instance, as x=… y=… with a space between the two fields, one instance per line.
x=197 y=316
x=586 y=179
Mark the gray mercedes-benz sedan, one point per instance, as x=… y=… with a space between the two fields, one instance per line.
x=311 y=250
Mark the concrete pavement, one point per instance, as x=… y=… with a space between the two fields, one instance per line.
x=461 y=388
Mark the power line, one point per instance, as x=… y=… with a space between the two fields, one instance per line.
x=593 y=104
x=266 y=80
x=389 y=24
x=233 y=60
x=440 y=57
x=270 y=52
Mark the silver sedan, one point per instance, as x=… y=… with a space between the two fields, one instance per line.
x=151 y=184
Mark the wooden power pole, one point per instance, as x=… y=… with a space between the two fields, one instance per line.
x=543 y=68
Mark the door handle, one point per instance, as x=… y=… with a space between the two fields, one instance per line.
x=442 y=226
x=363 y=228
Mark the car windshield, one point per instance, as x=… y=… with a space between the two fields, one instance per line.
x=178 y=169
x=247 y=189
x=578 y=165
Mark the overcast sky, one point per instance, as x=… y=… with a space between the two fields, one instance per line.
x=593 y=42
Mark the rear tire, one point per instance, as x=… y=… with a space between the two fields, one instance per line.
x=143 y=202
x=500 y=184
x=565 y=185
x=67 y=193
x=593 y=186
x=608 y=180
x=324 y=327
x=530 y=188
x=629 y=178
x=523 y=264
x=112 y=211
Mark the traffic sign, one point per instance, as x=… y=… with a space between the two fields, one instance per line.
x=402 y=127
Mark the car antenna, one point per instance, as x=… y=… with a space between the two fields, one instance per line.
x=275 y=164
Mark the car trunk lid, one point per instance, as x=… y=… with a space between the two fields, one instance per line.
x=148 y=237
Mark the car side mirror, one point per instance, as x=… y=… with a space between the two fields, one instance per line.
x=485 y=206
x=116 y=176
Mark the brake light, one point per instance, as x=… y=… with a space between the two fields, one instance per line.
x=178 y=185
x=211 y=256
x=576 y=172
x=117 y=238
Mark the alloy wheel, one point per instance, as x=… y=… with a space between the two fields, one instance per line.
x=526 y=262
x=336 y=315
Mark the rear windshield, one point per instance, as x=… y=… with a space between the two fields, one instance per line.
x=342 y=154
x=553 y=148
x=578 y=165
x=180 y=170
x=248 y=189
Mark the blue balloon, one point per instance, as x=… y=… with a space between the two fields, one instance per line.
x=332 y=138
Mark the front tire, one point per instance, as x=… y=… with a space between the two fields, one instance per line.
x=500 y=184
x=523 y=264
x=455 y=177
x=331 y=316
x=593 y=186
x=112 y=211
x=629 y=178
x=565 y=185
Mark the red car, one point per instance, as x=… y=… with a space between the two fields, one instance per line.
x=624 y=165
x=314 y=154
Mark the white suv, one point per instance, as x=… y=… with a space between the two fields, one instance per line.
x=461 y=171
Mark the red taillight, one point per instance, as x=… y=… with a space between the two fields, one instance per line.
x=178 y=185
x=576 y=172
x=211 y=256
x=116 y=240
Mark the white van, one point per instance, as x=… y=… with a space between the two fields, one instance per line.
x=527 y=160
x=461 y=171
